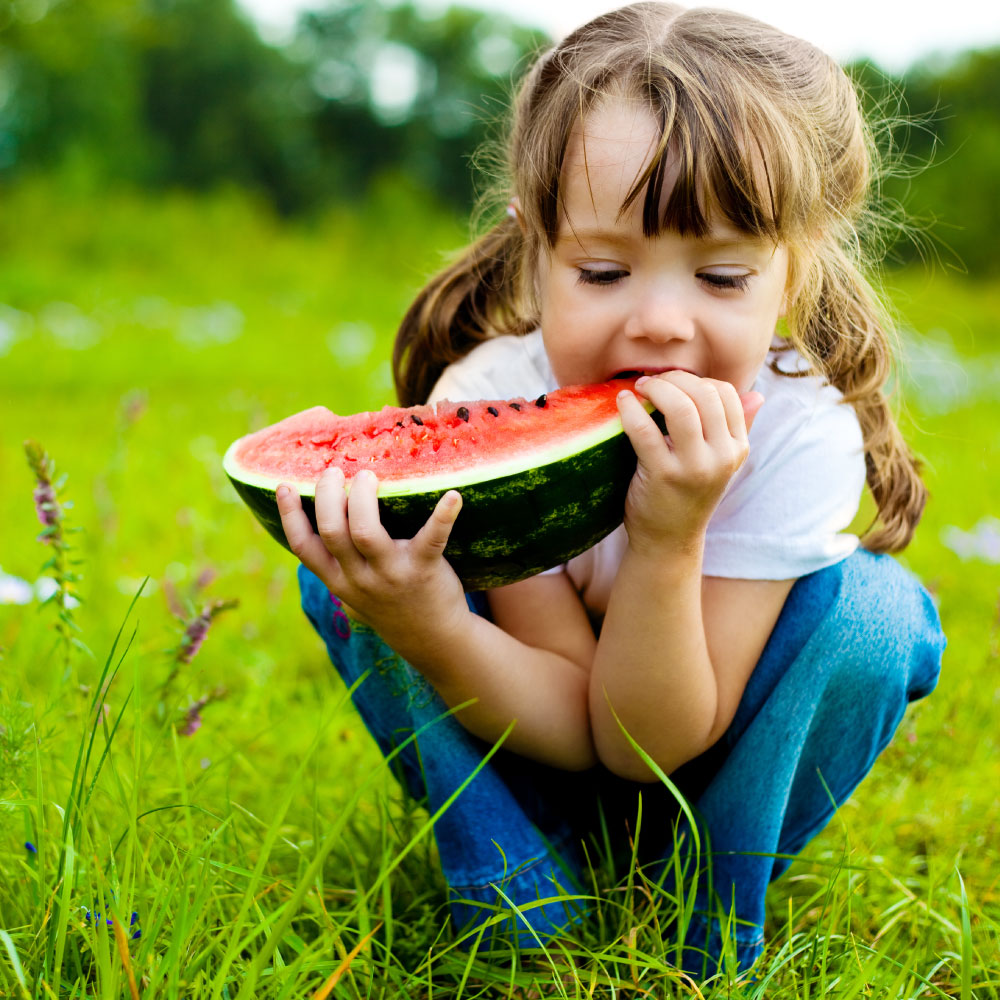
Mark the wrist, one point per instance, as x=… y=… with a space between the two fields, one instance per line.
x=432 y=643
x=667 y=556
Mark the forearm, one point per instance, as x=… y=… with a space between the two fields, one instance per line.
x=653 y=668
x=543 y=693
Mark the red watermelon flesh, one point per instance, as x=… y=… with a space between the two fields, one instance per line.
x=431 y=441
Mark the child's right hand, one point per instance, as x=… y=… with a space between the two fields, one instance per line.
x=403 y=588
x=680 y=477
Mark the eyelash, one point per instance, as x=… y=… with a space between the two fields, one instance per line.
x=728 y=282
x=724 y=282
x=588 y=277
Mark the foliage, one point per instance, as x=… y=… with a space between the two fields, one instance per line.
x=162 y=94
x=166 y=93
x=942 y=140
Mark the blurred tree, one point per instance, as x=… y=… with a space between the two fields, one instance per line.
x=945 y=141
x=219 y=104
x=184 y=92
x=394 y=88
x=68 y=89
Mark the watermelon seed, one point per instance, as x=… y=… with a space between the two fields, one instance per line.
x=463 y=414
x=416 y=419
x=541 y=400
x=493 y=410
x=399 y=423
x=515 y=406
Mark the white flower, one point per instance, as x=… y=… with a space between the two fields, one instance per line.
x=982 y=542
x=14 y=590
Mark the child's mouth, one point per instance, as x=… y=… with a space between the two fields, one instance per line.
x=632 y=373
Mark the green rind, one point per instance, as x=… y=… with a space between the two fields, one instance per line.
x=510 y=527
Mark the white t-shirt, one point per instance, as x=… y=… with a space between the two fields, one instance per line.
x=784 y=513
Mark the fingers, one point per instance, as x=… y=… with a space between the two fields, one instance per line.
x=302 y=540
x=707 y=424
x=430 y=541
x=646 y=437
x=364 y=531
x=751 y=403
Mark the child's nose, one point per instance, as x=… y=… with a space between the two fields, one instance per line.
x=660 y=314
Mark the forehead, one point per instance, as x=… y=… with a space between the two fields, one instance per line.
x=607 y=153
x=701 y=183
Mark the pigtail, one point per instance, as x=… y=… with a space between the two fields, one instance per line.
x=475 y=298
x=843 y=332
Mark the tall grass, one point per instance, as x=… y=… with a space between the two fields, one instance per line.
x=267 y=851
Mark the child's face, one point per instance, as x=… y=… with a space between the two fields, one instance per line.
x=613 y=300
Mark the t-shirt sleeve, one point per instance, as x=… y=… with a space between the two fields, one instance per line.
x=499 y=368
x=786 y=511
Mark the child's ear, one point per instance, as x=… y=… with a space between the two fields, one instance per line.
x=514 y=211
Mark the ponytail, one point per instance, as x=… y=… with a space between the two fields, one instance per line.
x=475 y=298
x=842 y=332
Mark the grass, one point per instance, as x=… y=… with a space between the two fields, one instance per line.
x=269 y=853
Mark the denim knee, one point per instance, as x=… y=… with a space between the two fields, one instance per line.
x=881 y=638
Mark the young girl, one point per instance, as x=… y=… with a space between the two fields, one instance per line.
x=680 y=182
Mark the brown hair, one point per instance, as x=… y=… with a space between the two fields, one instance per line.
x=768 y=131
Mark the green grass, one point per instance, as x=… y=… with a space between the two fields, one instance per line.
x=271 y=850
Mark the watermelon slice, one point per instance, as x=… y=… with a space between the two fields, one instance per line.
x=541 y=480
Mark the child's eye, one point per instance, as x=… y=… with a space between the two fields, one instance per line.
x=600 y=276
x=733 y=282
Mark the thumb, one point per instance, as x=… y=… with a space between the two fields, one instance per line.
x=432 y=539
x=752 y=402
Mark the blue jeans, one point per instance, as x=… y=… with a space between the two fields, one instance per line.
x=854 y=644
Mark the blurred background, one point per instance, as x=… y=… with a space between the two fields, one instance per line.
x=213 y=214
x=306 y=108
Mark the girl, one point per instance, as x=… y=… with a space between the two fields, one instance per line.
x=679 y=183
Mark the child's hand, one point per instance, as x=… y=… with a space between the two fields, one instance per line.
x=402 y=588
x=681 y=477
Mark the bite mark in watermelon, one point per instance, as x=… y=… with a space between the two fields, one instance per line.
x=541 y=480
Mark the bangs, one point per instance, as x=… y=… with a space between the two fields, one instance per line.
x=720 y=171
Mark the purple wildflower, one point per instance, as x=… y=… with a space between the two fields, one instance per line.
x=47 y=505
x=30 y=847
x=191 y=721
x=197 y=628
x=192 y=717
x=194 y=636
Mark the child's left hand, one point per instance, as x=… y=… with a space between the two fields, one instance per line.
x=403 y=588
x=681 y=476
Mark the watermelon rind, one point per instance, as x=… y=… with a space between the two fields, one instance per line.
x=515 y=522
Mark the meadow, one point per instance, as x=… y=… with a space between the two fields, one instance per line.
x=211 y=820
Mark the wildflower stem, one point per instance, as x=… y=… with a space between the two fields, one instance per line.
x=50 y=509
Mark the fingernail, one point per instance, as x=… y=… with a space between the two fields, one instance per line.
x=640 y=380
x=282 y=492
x=624 y=394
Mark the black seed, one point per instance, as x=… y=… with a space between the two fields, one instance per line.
x=416 y=419
x=399 y=423
x=541 y=400
x=493 y=410
x=515 y=406
x=463 y=414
